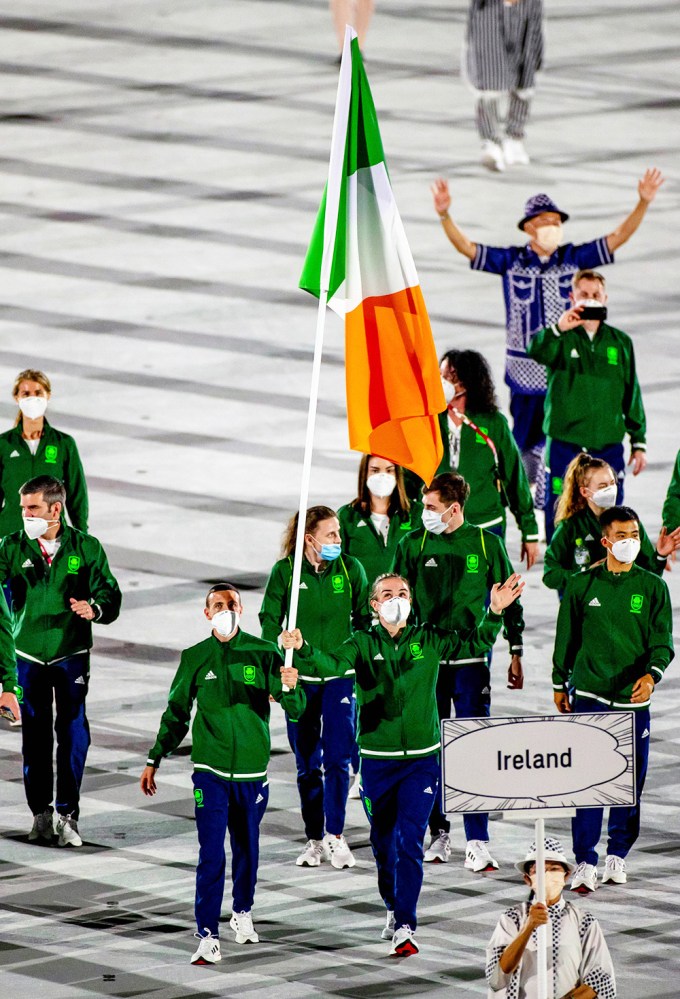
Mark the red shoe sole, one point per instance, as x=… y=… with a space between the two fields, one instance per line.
x=582 y=890
x=407 y=949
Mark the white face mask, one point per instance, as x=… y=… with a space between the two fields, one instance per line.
x=225 y=622
x=395 y=610
x=626 y=550
x=605 y=498
x=554 y=883
x=381 y=484
x=449 y=390
x=432 y=521
x=33 y=406
x=35 y=527
x=549 y=237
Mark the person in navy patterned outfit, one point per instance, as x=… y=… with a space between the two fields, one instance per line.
x=536 y=284
x=579 y=962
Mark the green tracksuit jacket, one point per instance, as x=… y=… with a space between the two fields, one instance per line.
x=576 y=544
x=395 y=681
x=57 y=455
x=45 y=628
x=593 y=397
x=451 y=576
x=486 y=505
x=331 y=605
x=612 y=628
x=8 y=663
x=230 y=683
x=361 y=540
x=671 y=507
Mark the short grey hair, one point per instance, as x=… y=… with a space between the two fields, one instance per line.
x=52 y=489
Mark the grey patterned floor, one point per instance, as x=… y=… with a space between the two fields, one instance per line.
x=160 y=166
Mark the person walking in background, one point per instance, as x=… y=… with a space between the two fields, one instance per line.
x=60 y=583
x=589 y=489
x=613 y=643
x=333 y=602
x=33 y=447
x=453 y=567
x=502 y=54
x=579 y=963
x=479 y=446
x=593 y=395
x=394 y=667
x=536 y=285
x=230 y=677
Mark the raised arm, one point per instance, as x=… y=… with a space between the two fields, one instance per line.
x=442 y=204
x=318 y=664
x=647 y=190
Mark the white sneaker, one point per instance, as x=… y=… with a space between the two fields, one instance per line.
x=478 y=858
x=390 y=926
x=312 y=855
x=584 y=879
x=439 y=850
x=514 y=152
x=67 y=831
x=403 y=943
x=208 y=949
x=492 y=156
x=355 y=787
x=338 y=852
x=242 y=925
x=42 y=827
x=614 y=870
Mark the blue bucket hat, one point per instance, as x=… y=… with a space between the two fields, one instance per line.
x=536 y=205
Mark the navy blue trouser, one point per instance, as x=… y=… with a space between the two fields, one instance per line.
x=623 y=827
x=64 y=682
x=397 y=796
x=469 y=687
x=324 y=736
x=239 y=807
x=558 y=454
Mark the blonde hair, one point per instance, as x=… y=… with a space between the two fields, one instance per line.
x=313 y=518
x=30 y=375
x=576 y=476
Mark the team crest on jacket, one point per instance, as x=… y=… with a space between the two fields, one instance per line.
x=73 y=563
x=338 y=583
x=51 y=453
x=472 y=563
x=249 y=674
x=636 y=602
x=416 y=650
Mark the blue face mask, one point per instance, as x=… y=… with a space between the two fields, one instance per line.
x=330 y=552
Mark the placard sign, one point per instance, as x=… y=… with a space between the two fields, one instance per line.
x=538 y=762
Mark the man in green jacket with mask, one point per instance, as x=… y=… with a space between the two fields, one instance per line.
x=59 y=583
x=230 y=677
x=394 y=666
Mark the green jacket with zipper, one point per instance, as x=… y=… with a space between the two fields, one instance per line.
x=671 y=506
x=332 y=603
x=361 y=540
x=57 y=455
x=45 y=628
x=395 y=681
x=451 y=576
x=231 y=683
x=612 y=629
x=8 y=663
x=486 y=504
x=593 y=397
x=576 y=544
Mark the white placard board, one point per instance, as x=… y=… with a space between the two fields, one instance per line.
x=538 y=762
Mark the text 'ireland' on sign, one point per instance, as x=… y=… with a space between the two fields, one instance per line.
x=554 y=761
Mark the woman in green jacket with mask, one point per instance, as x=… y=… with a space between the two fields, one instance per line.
x=33 y=447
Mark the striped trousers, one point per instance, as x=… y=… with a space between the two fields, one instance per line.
x=488 y=119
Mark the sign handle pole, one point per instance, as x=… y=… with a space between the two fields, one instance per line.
x=542 y=931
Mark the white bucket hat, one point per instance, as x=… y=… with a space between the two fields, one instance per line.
x=553 y=851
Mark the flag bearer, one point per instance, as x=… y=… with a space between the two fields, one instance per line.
x=589 y=489
x=230 y=677
x=613 y=643
x=333 y=600
x=33 y=447
x=59 y=583
x=452 y=568
x=394 y=667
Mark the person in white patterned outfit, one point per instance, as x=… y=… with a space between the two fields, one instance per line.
x=579 y=963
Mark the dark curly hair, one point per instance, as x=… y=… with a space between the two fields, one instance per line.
x=475 y=374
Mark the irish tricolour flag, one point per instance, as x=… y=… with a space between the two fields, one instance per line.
x=360 y=261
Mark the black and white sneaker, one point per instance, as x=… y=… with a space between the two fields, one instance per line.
x=67 y=831
x=208 y=951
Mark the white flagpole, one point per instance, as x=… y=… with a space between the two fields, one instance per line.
x=333 y=190
x=542 y=931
